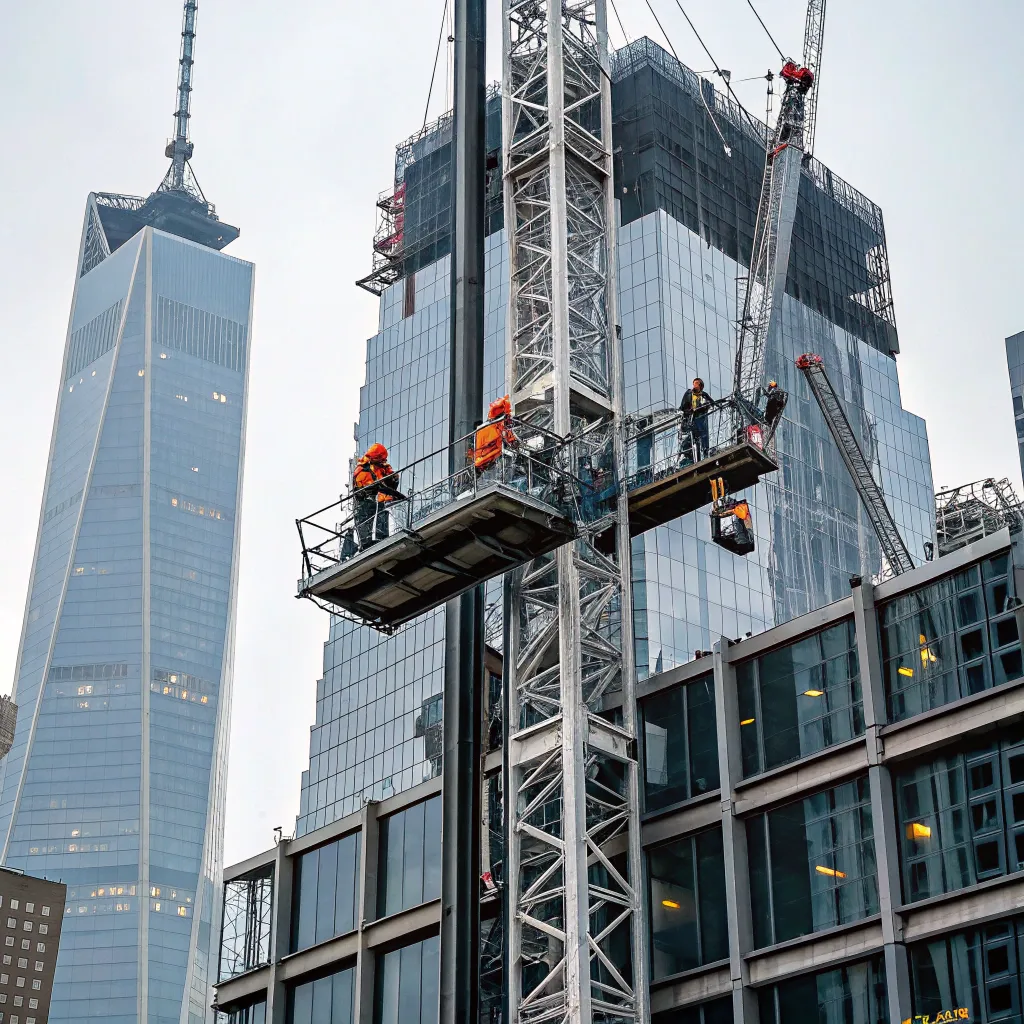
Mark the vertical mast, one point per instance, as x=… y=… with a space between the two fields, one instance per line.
x=179 y=149
x=575 y=937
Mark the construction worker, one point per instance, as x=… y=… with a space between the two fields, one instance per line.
x=775 y=402
x=374 y=486
x=492 y=438
x=695 y=406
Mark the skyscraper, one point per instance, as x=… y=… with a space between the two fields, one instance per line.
x=687 y=214
x=115 y=781
x=1015 y=364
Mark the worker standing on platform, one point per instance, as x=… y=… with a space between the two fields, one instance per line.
x=374 y=486
x=495 y=436
x=695 y=406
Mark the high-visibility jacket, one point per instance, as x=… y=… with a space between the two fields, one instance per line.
x=371 y=469
x=492 y=437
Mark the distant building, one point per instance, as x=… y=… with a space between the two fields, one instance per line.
x=8 y=723
x=31 y=915
x=1015 y=364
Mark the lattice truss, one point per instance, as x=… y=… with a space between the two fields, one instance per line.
x=245 y=935
x=573 y=859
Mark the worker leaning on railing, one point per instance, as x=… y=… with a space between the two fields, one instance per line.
x=374 y=486
x=695 y=406
x=494 y=436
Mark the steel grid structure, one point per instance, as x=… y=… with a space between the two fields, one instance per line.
x=246 y=923
x=814 y=37
x=972 y=511
x=575 y=934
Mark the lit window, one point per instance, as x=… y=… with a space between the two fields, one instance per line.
x=155 y=890
x=671 y=904
x=94 y=373
x=20 y=983
x=223 y=398
x=4 y=979
x=195 y=469
x=33 y=1004
x=814 y=693
x=216 y=396
x=7 y=958
x=70 y=389
x=19 y=1000
x=182 y=398
x=14 y=904
x=904 y=671
x=79 y=569
x=174 y=502
x=163 y=355
x=182 y=911
x=748 y=721
x=142 y=373
x=915 y=830
x=830 y=872
x=9 y=941
x=156 y=906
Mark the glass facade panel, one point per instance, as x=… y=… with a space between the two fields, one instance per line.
x=687 y=901
x=326 y=900
x=254 y=1013
x=961 y=817
x=407 y=984
x=116 y=779
x=409 y=863
x=833 y=882
x=848 y=995
x=800 y=699
x=977 y=971
x=951 y=639
x=329 y=1000
x=680 y=744
x=718 y=1011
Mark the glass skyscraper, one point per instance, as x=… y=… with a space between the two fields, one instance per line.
x=1015 y=364
x=115 y=782
x=687 y=213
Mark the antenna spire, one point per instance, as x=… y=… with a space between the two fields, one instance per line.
x=179 y=176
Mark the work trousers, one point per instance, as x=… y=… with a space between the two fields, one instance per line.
x=371 y=519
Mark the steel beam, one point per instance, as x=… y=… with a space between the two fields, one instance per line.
x=464 y=616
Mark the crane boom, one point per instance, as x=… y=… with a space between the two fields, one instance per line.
x=870 y=493
x=773 y=229
x=814 y=36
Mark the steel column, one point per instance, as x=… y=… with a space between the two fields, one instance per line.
x=464 y=616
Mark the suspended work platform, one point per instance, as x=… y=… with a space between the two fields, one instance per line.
x=383 y=563
x=672 y=460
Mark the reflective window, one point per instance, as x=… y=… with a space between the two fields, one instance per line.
x=961 y=818
x=977 y=971
x=800 y=699
x=718 y=1011
x=687 y=899
x=407 y=984
x=812 y=864
x=329 y=1000
x=326 y=899
x=680 y=743
x=409 y=865
x=245 y=922
x=853 y=993
x=951 y=639
x=255 y=1013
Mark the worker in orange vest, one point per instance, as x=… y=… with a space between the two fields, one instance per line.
x=494 y=435
x=374 y=485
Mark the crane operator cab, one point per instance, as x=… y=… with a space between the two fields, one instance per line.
x=731 y=524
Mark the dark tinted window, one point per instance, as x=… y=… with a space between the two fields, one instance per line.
x=812 y=864
x=409 y=865
x=325 y=901
x=687 y=899
x=718 y=1011
x=853 y=993
x=407 y=984
x=680 y=744
x=800 y=699
x=329 y=1000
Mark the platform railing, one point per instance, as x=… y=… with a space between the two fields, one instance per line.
x=536 y=464
x=660 y=445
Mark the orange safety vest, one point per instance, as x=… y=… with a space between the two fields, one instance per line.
x=492 y=437
x=369 y=472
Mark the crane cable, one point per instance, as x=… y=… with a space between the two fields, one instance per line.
x=767 y=33
x=725 y=145
x=625 y=34
x=437 y=57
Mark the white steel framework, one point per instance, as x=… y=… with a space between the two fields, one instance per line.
x=575 y=936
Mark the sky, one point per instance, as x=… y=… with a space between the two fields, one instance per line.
x=296 y=112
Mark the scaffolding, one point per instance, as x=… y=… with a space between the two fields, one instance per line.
x=967 y=513
x=246 y=923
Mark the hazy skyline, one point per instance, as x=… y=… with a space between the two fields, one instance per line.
x=295 y=116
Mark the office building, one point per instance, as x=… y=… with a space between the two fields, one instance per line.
x=31 y=918
x=1015 y=365
x=832 y=827
x=115 y=780
x=679 y=242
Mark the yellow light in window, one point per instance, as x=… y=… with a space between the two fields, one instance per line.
x=216 y=396
x=915 y=830
x=195 y=469
x=142 y=373
x=184 y=694
x=747 y=721
x=814 y=693
x=904 y=671
x=223 y=398
x=671 y=904
x=173 y=677
x=75 y=833
x=831 y=872
x=156 y=907
x=163 y=355
x=182 y=911
x=154 y=890
x=204 y=700
x=174 y=502
x=94 y=373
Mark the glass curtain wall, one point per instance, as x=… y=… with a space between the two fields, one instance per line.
x=326 y=898
x=329 y=1000
x=407 y=984
x=849 y=994
x=409 y=862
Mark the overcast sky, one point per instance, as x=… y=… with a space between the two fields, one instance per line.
x=297 y=108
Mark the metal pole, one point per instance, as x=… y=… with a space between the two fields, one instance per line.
x=464 y=616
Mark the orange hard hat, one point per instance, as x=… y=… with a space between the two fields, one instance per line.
x=377 y=453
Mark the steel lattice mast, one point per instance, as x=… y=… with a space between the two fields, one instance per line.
x=575 y=936
x=180 y=148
